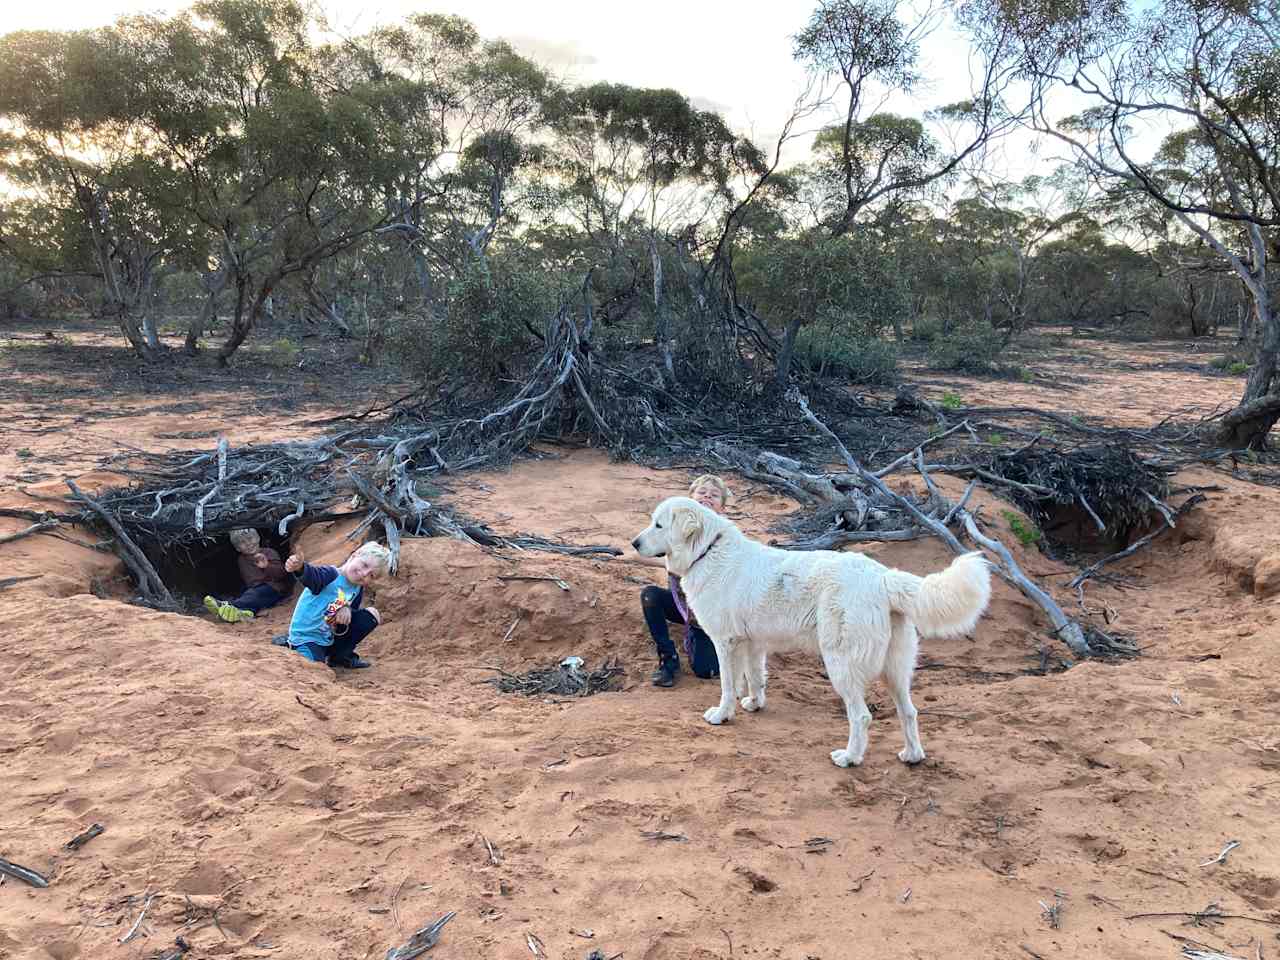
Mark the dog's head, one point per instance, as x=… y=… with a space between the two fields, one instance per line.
x=679 y=530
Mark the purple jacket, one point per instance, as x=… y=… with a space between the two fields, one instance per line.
x=690 y=621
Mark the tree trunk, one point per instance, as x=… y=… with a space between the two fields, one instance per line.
x=245 y=316
x=1247 y=426
x=662 y=332
x=786 y=353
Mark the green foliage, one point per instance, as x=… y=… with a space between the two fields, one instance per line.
x=843 y=284
x=926 y=330
x=282 y=353
x=1026 y=532
x=1230 y=363
x=859 y=359
x=995 y=439
x=951 y=400
x=488 y=326
x=971 y=349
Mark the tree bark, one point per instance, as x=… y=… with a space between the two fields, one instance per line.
x=1247 y=426
x=786 y=353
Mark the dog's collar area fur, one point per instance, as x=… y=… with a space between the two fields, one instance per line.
x=710 y=547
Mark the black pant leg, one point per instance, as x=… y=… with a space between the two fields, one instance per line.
x=705 y=662
x=362 y=624
x=659 y=610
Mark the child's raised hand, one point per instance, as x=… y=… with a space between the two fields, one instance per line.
x=294 y=563
x=261 y=561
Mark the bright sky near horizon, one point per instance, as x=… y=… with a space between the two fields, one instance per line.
x=707 y=49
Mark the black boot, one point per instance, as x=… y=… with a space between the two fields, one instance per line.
x=350 y=661
x=665 y=675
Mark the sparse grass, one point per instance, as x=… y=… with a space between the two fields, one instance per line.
x=282 y=353
x=995 y=439
x=1026 y=532
x=1238 y=368
x=951 y=400
x=24 y=453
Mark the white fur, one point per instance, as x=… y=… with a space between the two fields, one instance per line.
x=860 y=615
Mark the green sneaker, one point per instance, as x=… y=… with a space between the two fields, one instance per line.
x=234 y=614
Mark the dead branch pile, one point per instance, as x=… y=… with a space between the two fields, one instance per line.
x=568 y=678
x=390 y=472
x=1119 y=490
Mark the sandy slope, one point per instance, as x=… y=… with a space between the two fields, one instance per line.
x=327 y=816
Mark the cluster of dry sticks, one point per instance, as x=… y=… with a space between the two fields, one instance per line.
x=569 y=678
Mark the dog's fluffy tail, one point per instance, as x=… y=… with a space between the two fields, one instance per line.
x=943 y=604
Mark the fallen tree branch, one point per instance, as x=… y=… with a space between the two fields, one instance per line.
x=947 y=537
x=149 y=581
x=34 y=528
x=25 y=874
x=10 y=581
x=1064 y=627
x=422 y=940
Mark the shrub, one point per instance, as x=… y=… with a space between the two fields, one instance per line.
x=282 y=353
x=859 y=359
x=486 y=325
x=926 y=330
x=973 y=349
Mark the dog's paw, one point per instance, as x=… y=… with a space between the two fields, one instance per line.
x=717 y=716
x=911 y=757
x=843 y=758
x=752 y=704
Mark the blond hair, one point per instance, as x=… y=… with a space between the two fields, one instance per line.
x=245 y=540
x=710 y=479
x=376 y=553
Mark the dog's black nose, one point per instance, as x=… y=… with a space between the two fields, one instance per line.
x=635 y=544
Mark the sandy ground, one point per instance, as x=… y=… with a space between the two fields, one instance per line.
x=314 y=815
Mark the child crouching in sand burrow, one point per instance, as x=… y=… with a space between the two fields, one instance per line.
x=328 y=621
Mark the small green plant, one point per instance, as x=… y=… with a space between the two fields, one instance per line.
x=975 y=348
x=1025 y=375
x=996 y=439
x=1237 y=368
x=951 y=400
x=24 y=453
x=282 y=353
x=1026 y=532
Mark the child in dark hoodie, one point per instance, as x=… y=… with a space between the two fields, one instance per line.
x=265 y=580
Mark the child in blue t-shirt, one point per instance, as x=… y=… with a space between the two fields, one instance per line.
x=328 y=621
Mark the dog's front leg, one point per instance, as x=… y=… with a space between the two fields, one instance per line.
x=727 y=654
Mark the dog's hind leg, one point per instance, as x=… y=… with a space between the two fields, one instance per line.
x=899 y=666
x=730 y=657
x=851 y=685
x=752 y=662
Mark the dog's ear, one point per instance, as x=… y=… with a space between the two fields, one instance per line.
x=685 y=526
x=689 y=523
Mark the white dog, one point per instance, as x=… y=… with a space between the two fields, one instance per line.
x=859 y=614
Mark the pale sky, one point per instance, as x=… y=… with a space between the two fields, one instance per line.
x=709 y=50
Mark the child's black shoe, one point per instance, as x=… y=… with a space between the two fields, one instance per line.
x=665 y=675
x=350 y=662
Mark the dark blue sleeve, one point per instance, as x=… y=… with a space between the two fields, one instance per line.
x=316 y=578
